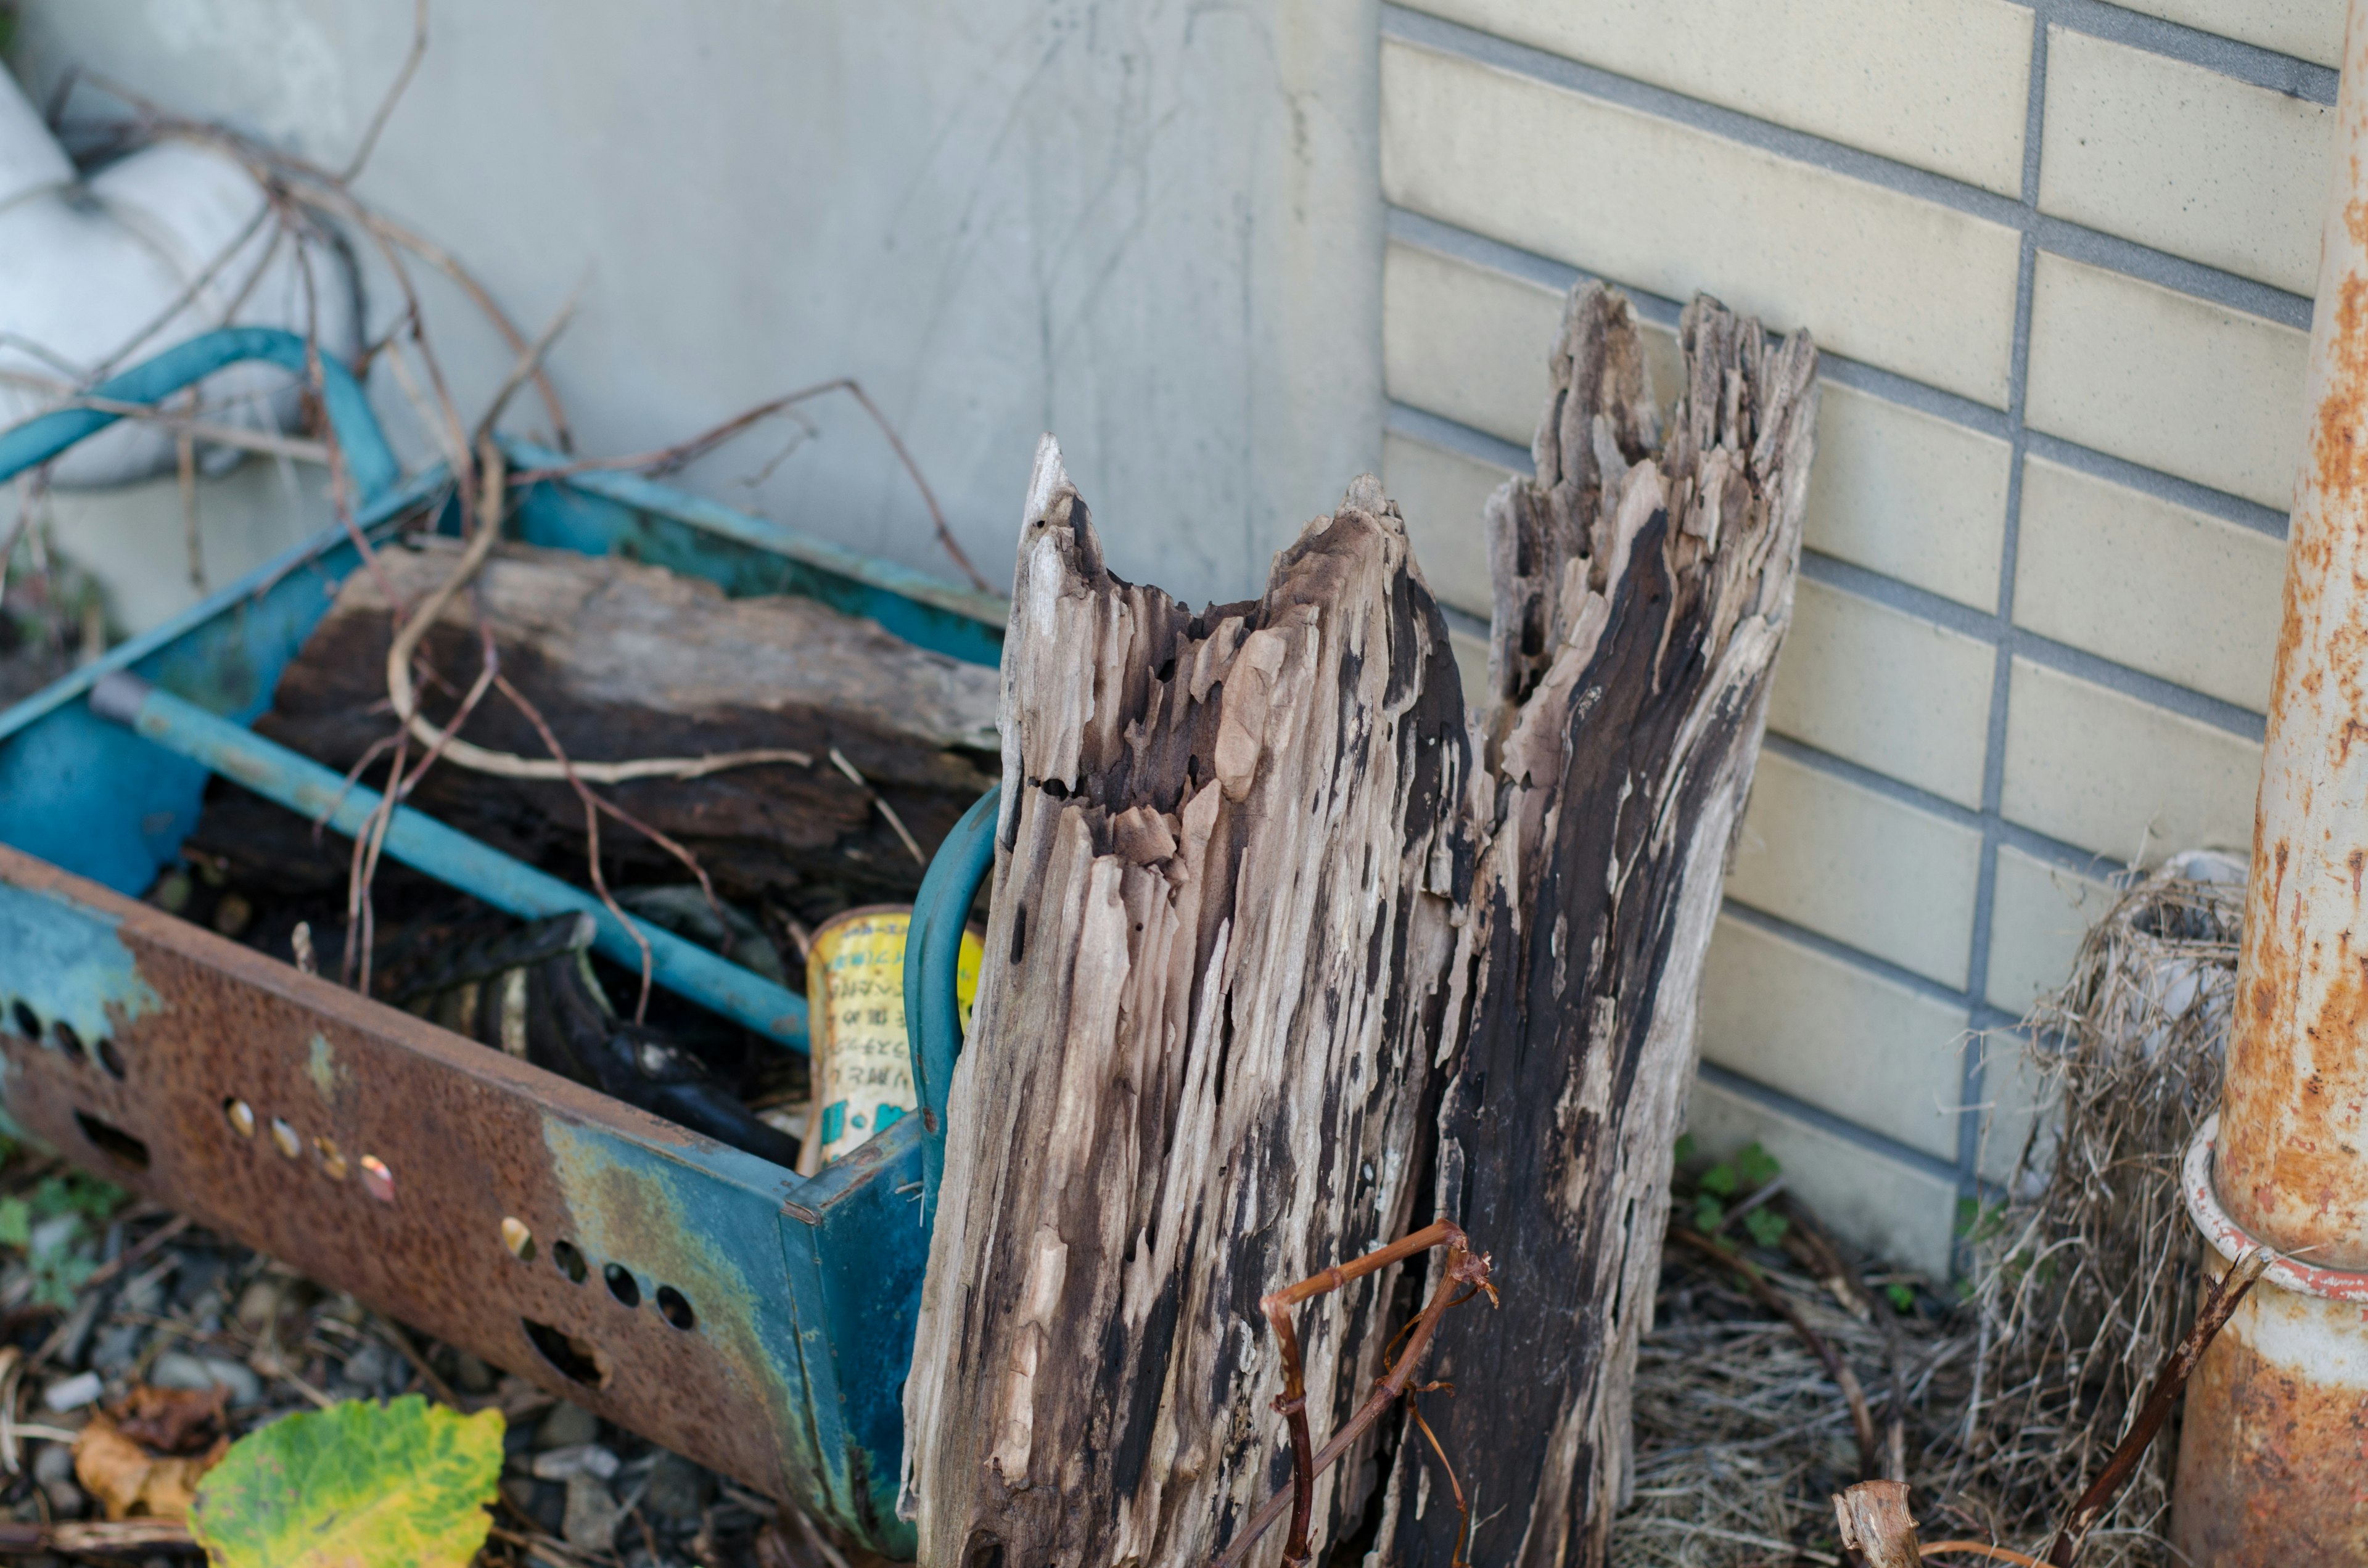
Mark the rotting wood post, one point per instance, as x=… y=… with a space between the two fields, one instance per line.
x=2276 y=1437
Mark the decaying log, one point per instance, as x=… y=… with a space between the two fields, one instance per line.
x=631 y=661
x=1231 y=848
x=1282 y=956
x=1640 y=598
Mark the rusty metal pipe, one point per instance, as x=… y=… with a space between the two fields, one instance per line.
x=2273 y=1460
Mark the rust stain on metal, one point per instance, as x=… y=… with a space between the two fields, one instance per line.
x=462 y=1136
x=2294 y=1153
x=2273 y=1460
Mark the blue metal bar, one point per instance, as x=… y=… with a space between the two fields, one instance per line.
x=370 y=462
x=932 y=954
x=777 y=538
x=421 y=842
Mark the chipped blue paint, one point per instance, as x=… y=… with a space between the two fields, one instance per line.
x=703 y=1219
x=64 y=962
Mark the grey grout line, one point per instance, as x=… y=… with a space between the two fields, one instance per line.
x=1977 y=961
x=1438 y=430
x=2215 y=504
x=1826 y=1121
x=2196 y=279
x=2142 y=262
x=2023 y=642
x=2071 y=857
x=1956 y=814
x=2245 y=62
x=1409 y=228
x=1843 y=953
x=1893 y=593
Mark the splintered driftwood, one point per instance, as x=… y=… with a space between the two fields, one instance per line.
x=1285 y=958
x=627 y=661
x=1197 y=1066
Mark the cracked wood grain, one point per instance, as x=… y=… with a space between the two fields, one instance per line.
x=1285 y=952
x=1227 y=861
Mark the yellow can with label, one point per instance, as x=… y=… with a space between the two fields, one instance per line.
x=862 y=1064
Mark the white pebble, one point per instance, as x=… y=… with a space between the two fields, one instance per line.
x=580 y=1459
x=73 y=1393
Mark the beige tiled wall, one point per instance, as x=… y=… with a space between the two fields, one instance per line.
x=2060 y=261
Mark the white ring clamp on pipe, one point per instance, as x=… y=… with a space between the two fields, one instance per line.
x=86 y=266
x=2230 y=1240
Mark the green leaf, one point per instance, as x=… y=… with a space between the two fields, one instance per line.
x=75 y=1193
x=16 y=1223
x=59 y=1274
x=1902 y=1298
x=1757 y=1165
x=1767 y=1229
x=1721 y=1179
x=1709 y=1213
x=1685 y=1150
x=357 y=1485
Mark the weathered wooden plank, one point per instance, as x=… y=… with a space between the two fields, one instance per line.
x=631 y=661
x=1231 y=852
x=1641 y=595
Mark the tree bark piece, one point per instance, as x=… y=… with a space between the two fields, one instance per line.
x=1231 y=851
x=1640 y=599
x=630 y=661
x=1875 y=1525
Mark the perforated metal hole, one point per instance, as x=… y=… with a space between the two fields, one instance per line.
x=675 y=1307
x=113 y=1141
x=569 y=1261
x=622 y=1285
x=578 y=1360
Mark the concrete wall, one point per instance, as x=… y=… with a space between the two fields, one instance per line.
x=1151 y=227
x=2061 y=258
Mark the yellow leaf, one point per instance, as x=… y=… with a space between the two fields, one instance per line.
x=356 y=1486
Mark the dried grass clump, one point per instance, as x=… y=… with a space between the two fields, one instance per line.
x=2088 y=1275
x=2012 y=1397
x=1742 y=1438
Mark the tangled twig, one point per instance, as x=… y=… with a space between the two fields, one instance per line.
x=1464 y=1269
x=665 y=460
x=508 y=765
x=1870 y=1452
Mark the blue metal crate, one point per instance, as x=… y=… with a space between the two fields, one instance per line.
x=141 y=1045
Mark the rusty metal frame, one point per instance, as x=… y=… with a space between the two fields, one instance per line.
x=385 y=1154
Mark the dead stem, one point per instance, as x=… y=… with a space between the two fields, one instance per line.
x=591 y=834
x=1870 y=1453
x=1464 y=1268
x=2226 y=1293
x=665 y=459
